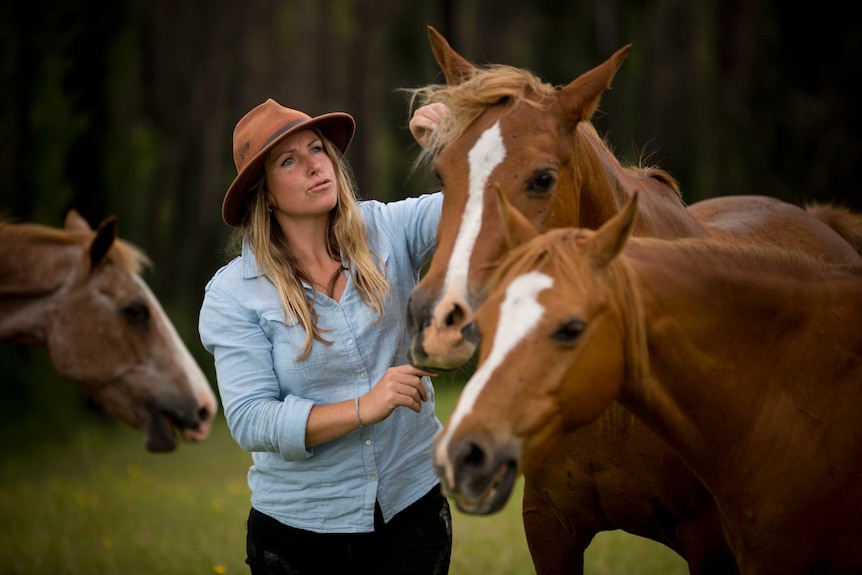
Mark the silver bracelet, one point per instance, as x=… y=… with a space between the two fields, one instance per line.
x=356 y=407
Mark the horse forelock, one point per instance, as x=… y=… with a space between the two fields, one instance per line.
x=490 y=85
x=122 y=253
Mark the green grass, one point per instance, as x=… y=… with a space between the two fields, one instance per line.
x=92 y=501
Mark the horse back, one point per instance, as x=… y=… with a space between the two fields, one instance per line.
x=773 y=222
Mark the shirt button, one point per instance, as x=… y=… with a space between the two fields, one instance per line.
x=367 y=442
x=350 y=342
x=362 y=375
x=373 y=478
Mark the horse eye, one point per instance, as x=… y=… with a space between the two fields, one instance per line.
x=437 y=178
x=137 y=313
x=570 y=331
x=542 y=182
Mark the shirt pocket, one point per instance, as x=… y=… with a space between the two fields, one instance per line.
x=288 y=343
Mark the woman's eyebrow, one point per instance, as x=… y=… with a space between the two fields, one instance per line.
x=293 y=149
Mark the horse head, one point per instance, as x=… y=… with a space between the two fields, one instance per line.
x=82 y=298
x=552 y=358
x=508 y=131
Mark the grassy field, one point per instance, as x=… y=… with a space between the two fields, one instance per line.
x=92 y=501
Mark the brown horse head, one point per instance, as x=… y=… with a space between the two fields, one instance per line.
x=78 y=293
x=514 y=406
x=506 y=130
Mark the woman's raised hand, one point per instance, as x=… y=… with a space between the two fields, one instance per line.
x=425 y=120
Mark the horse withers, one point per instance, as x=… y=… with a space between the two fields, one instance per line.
x=78 y=293
x=747 y=361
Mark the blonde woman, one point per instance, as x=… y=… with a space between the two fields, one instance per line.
x=306 y=329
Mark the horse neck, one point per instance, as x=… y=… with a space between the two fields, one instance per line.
x=31 y=274
x=739 y=338
x=595 y=186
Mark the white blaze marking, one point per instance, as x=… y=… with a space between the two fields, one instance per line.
x=486 y=154
x=519 y=314
x=195 y=376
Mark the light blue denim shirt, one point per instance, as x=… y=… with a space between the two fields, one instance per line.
x=267 y=395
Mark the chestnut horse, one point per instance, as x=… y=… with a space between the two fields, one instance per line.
x=508 y=130
x=746 y=360
x=78 y=293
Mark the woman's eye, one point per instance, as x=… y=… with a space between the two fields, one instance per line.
x=316 y=149
x=287 y=161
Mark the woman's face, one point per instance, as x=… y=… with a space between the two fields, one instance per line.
x=301 y=177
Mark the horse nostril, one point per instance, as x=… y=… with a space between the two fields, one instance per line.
x=475 y=456
x=455 y=316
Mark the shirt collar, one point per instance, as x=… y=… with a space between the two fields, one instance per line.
x=249 y=262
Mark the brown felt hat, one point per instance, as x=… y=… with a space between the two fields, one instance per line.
x=261 y=129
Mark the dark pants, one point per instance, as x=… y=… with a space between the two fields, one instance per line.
x=418 y=540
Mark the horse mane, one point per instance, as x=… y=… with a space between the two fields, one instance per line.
x=603 y=148
x=122 y=253
x=844 y=221
x=494 y=84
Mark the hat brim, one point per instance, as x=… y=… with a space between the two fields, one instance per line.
x=337 y=127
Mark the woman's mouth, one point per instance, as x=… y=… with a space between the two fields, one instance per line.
x=321 y=185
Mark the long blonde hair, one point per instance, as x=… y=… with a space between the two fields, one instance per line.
x=347 y=238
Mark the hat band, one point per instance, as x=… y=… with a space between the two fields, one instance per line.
x=281 y=131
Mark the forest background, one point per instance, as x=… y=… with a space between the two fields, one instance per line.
x=127 y=108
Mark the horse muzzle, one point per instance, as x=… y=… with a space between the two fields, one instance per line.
x=479 y=480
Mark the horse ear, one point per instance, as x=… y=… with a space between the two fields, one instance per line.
x=75 y=222
x=517 y=228
x=105 y=236
x=580 y=99
x=454 y=66
x=608 y=241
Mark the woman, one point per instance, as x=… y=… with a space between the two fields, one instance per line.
x=306 y=330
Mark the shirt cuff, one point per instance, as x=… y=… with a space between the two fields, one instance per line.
x=291 y=428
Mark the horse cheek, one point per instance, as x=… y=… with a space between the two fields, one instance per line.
x=68 y=351
x=593 y=379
